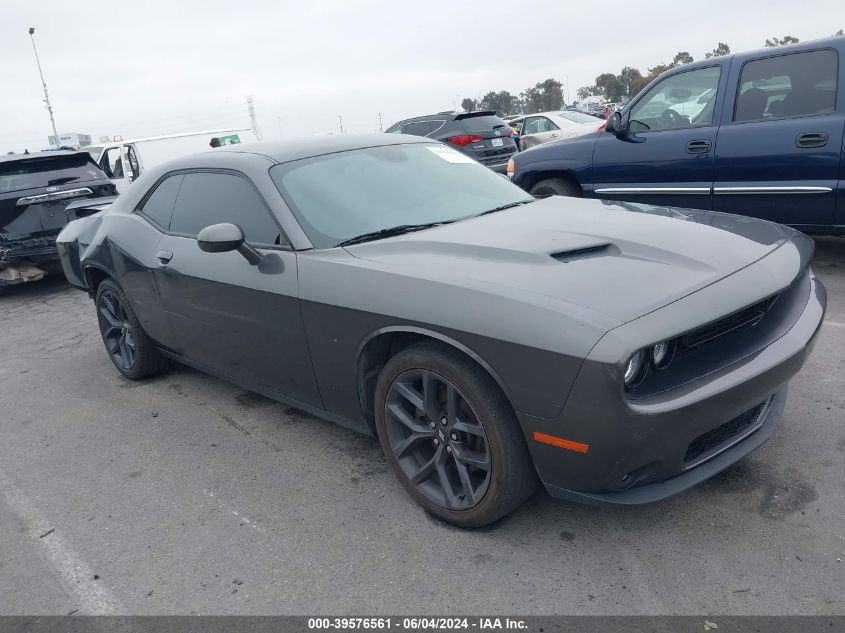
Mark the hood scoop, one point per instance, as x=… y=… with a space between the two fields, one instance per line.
x=583 y=253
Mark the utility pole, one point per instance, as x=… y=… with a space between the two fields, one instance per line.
x=379 y=123
x=252 y=118
x=340 y=120
x=44 y=83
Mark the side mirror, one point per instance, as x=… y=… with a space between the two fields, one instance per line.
x=225 y=237
x=614 y=123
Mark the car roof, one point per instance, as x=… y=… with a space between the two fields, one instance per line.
x=834 y=42
x=6 y=158
x=304 y=147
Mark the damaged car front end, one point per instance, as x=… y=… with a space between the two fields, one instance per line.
x=38 y=193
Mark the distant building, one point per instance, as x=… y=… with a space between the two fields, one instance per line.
x=70 y=139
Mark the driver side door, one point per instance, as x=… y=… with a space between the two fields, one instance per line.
x=666 y=155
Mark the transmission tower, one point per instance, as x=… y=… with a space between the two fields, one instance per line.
x=252 y=118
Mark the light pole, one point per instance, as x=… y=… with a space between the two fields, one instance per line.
x=44 y=83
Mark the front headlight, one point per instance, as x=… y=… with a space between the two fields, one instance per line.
x=661 y=354
x=634 y=369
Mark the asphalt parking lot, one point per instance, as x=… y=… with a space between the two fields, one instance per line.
x=184 y=495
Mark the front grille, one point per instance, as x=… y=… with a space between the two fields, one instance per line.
x=706 y=442
x=731 y=324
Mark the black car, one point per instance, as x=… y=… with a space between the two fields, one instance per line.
x=481 y=135
x=622 y=353
x=35 y=190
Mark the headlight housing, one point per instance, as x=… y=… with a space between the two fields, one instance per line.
x=635 y=370
x=661 y=354
x=656 y=357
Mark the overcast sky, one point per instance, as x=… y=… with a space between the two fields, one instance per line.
x=153 y=67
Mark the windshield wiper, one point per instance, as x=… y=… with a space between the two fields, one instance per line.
x=510 y=205
x=390 y=232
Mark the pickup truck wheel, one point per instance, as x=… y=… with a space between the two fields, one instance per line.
x=128 y=346
x=556 y=187
x=451 y=436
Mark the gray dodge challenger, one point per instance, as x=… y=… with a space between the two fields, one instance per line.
x=617 y=353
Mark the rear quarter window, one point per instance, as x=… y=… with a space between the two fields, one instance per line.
x=791 y=85
x=159 y=206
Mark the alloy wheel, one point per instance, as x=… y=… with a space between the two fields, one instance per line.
x=437 y=439
x=116 y=330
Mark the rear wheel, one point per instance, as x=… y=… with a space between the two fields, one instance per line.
x=556 y=187
x=451 y=437
x=128 y=346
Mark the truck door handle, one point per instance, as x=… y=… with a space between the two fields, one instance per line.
x=811 y=139
x=701 y=146
x=164 y=256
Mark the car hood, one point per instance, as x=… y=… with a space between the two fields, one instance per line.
x=620 y=259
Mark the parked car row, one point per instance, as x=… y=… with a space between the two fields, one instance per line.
x=758 y=134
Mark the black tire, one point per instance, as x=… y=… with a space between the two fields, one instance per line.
x=556 y=187
x=131 y=351
x=510 y=479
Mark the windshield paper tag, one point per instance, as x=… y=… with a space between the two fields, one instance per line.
x=450 y=155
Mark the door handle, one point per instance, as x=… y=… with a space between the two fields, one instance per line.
x=701 y=146
x=811 y=139
x=164 y=256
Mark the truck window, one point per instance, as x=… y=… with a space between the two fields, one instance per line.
x=792 y=85
x=680 y=101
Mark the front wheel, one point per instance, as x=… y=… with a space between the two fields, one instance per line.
x=556 y=187
x=451 y=437
x=129 y=347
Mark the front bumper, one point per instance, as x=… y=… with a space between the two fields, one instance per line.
x=639 y=450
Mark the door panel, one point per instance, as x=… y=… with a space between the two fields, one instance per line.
x=666 y=157
x=779 y=144
x=238 y=319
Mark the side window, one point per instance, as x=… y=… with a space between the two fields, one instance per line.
x=207 y=198
x=395 y=129
x=159 y=206
x=537 y=124
x=684 y=100
x=418 y=128
x=798 y=84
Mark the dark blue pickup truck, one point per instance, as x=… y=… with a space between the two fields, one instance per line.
x=758 y=134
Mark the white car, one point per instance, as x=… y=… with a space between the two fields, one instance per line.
x=542 y=127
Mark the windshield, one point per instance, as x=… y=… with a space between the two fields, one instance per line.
x=343 y=195
x=576 y=117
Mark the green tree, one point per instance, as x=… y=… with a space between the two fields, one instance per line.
x=721 y=49
x=588 y=91
x=682 y=58
x=658 y=70
x=532 y=100
x=632 y=80
x=551 y=94
x=490 y=101
x=468 y=104
x=611 y=86
x=508 y=104
x=787 y=39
